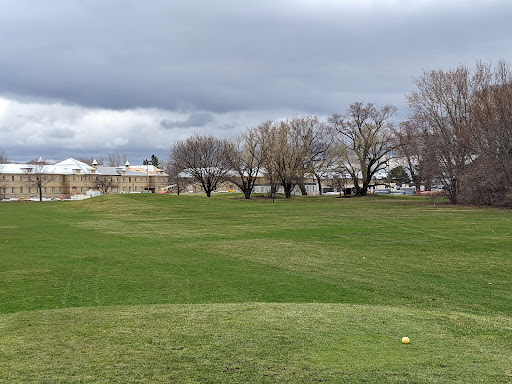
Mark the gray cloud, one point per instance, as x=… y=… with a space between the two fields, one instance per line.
x=70 y=62
x=61 y=133
x=198 y=119
x=128 y=54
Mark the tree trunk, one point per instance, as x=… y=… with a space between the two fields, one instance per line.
x=303 y=189
x=247 y=194
x=363 y=191
x=319 y=185
x=452 y=192
x=358 y=188
x=40 y=193
x=288 y=187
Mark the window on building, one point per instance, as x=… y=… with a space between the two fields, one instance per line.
x=60 y=189
x=81 y=178
x=45 y=189
x=60 y=178
x=12 y=189
x=21 y=189
x=53 y=189
x=3 y=178
x=118 y=179
x=74 y=179
x=29 y=190
x=12 y=178
x=123 y=178
x=81 y=189
x=21 y=178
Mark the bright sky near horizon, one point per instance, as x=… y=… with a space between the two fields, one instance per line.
x=87 y=78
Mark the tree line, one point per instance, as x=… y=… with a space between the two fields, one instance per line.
x=458 y=134
x=288 y=151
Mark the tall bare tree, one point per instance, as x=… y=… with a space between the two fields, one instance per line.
x=365 y=141
x=489 y=179
x=246 y=157
x=285 y=156
x=410 y=149
x=441 y=104
x=204 y=157
x=316 y=139
x=266 y=135
x=115 y=159
x=39 y=176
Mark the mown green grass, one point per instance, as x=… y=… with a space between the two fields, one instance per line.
x=150 y=288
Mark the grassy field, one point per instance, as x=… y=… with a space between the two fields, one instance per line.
x=185 y=289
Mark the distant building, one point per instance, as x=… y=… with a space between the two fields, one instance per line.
x=72 y=177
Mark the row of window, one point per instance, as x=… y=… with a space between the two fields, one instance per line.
x=46 y=190
x=30 y=190
x=4 y=178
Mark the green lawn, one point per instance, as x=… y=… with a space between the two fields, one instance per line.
x=158 y=288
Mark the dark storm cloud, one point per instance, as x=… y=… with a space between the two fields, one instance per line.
x=232 y=55
x=93 y=76
x=199 y=119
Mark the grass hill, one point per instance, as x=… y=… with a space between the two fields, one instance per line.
x=152 y=288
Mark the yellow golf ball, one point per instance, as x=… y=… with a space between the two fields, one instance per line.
x=405 y=340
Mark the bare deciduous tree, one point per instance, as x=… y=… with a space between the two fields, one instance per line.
x=365 y=141
x=266 y=133
x=38 y=175
x=115 y=159
x=177 y=178
x=411 y=150
x=489 y=179
x=284 y=161
x=441 y=104
x=317 y=140
x=204 y=157
x=3 y=158
x=246 y=157
x=105 y=184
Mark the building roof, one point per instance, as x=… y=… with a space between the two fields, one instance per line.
x=71 y=166
x=151 y=169
x=116 y=171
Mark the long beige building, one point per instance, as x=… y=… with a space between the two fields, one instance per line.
x=72 y=177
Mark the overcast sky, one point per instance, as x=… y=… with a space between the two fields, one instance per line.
x=85 y=78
